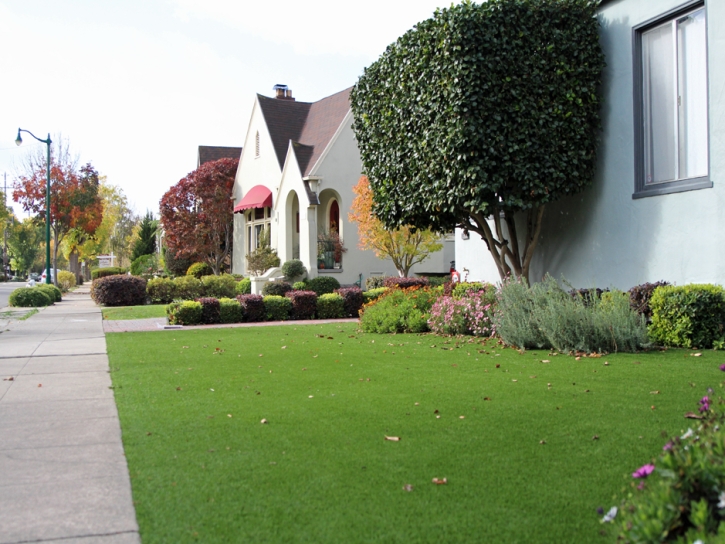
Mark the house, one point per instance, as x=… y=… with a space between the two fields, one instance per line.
x=298 y=167
x=656 y=208
x=209 y=153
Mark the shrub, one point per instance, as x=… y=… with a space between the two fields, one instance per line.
x=404 y=283
x=353 y=297
x=546 y=316
x=51 y=290
x=161 y=290
x=323 y=285
x=640 y=295
x=108 y=271
x=244 y=286
x=252 y=307
x=145 y=265
x=682 y=498
x=373 y=294
x=264 y=257
x=187 y=288
x=276 y=288
x=209 y=310
x=66 y=280
x=119 y=291
x=398 y=310
x=187 y=312
x=230 y=311
x=437 y=281
x=29 y=297
x=330 y=306
x=277 y=308
x=471 y=313
x=688 y=315
x=374 y=282
x=222 y=286
x=304 y=304
x=198 y=270
x=293 y=269
x=588 y=296
x=299 y=286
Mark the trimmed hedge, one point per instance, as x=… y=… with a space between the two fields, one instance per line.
x=293 y=269
x=223 y=286
x=277 y=308
x=209 y=310
x=299 y=286
x=277 y=288
x=353 y=298
x=688 y=315
x=161 y=290
x=188 y=288
x=244 y=287
x=252 y=307
x=29 y=297
x=51 y=290
x=198 y=270
x=108 y=271
x=404 y=283
x=187 y=312
x=119 y=291
x=323 y=285
x=304 y=304
x=230 y=311
x=330 y=306
x=66 y=280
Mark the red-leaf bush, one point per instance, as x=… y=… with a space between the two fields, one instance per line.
x=210 y=312
x=304 y=304
x=405 y=283
x=353 y=297
x=119 y=291
x=252 y=307
x=640 y=295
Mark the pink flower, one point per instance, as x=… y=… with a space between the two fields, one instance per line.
x=722 y=367
x=643 y=471
x=667 y=447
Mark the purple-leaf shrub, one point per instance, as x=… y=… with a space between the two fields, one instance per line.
x=404 y=283
x=353 y=297
x=252 y=307
x=304 y=304
x=210 y=310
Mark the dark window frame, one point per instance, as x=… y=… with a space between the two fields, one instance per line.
x=641 y=189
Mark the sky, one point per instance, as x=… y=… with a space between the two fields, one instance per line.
x=135 y=86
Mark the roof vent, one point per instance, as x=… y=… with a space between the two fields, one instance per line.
x=282 y=92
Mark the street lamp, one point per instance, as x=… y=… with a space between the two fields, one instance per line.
x=19 y=141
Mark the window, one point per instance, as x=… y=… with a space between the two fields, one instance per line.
x=259 y=224
x=671 y=95
x=334 y=217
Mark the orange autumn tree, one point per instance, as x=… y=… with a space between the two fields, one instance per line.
x=404 y=246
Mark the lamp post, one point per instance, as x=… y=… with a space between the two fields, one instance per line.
x=47 y=142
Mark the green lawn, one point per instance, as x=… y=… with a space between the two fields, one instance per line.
x=134 y=312
x=521 y=467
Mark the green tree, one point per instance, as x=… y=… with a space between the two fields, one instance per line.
x=24 y=244
x=480 y=116
x=146 y=242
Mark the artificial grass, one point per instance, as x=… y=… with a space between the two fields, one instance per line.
x=205 y=469
x=134 y=312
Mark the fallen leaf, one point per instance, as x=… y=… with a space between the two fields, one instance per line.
x=486 y=398
x=440 y=481
x=586 y=390
x=595 y=437
x=577 y=358
x=148 y=434
x=10 y=379
x=532 y=377
x=184 y=347
x=498 y=365
x=654 y=392
x=178 y=388
x=40 y=385
x=545 y=361
x=229 y=415
x=304 y=369
x=461 y=417
x=264 y=422
x=438 y=417
x=435 y=411
x=695 y=354
x=417 y=404
x=606 y=363
x=542 y=441
x=693 y=415
x=636 y=363
x=407 y=487
x=393 y=438
x=284 y=347
x=514 y=380
x=311 y=396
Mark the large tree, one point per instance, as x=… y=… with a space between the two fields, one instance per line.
x=197 y=214
x=405 y=246
x=480 y=116
x=75 y=202
x=146 y=242
x=24 y=244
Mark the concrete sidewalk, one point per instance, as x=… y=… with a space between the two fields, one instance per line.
x=63 y=474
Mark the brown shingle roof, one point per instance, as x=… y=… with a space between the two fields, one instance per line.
x=208 y=153
x=311 y=124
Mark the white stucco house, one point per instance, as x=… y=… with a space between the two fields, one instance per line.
x=656 y=208
x=298 y=166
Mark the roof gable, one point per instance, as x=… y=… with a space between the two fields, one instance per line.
x=208 y=153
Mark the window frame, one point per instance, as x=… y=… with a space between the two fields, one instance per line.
x=251 y=222
x=641 y=189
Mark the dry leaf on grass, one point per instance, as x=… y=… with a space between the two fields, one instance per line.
x=542 y=441
x=440 y=481
x=264 y=422
x=692 y=415
x=695 y=354
x=545 y=361
x=407 y=487
x=654 y=392
x=595 y=437
x=393 y=438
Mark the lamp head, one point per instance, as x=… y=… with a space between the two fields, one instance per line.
x=18 y=140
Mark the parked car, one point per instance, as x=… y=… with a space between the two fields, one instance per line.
x=34 y=276
x=52 y=275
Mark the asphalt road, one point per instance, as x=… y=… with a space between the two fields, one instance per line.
x=5 y=289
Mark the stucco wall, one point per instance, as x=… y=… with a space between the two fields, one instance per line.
x=603 y=237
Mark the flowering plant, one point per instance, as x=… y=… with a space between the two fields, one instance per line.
x=470 y=314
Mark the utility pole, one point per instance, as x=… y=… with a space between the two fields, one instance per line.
x=5 y=227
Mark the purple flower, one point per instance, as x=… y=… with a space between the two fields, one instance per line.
x=600 y=510
x=722 y=367
x=668 y=446
x=643 y=471
x=704 y=404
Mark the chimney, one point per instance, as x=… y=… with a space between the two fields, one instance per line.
x=282 y=92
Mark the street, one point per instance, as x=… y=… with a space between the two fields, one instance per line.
x=5 y=289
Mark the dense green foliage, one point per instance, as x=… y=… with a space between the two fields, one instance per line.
x=479 y=111
x=119 y=291
x=330 y=306
x=144 y=265
x=187 y=312
x=230 y=311
x=373 y=294
x=146 y=242
x=688 y=315
x=399 y=310
x=66 y=280
x=221 y=286
x=161 y=290
x=188 y=288
x=374 y=282
x=51 y=290
x=108 y=271
x=278 y=288
x=244 y=286
x=29 y=297
x=198 y=270
x=323 y=285
x=293 y=269
x=277 y=308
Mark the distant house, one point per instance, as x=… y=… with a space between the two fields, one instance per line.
x=297 y=170
x=208 y=153
x=656 y=209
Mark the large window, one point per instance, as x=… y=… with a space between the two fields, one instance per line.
x=672 y=117
x=259 y=224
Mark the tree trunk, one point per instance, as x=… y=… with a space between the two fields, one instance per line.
x=74 y=265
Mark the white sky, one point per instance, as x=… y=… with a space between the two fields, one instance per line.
x=138 y=85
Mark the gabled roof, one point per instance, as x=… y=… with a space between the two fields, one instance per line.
x=310 y=125
x=208 y=153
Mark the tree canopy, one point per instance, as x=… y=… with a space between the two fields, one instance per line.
x=197 y=214
x=405 y=246
x=146 y=241
x=482 y=112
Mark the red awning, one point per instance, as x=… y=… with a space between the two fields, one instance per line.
x=257 y=197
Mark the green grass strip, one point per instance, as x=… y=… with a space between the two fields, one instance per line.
x=524 y=466
x=135 y=312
